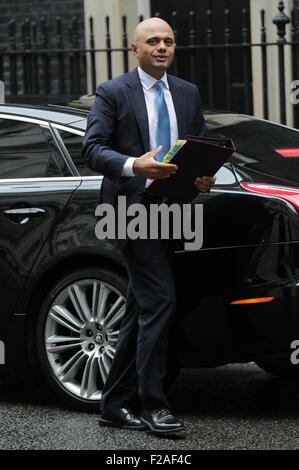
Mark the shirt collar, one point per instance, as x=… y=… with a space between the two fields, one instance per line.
x=147 y=81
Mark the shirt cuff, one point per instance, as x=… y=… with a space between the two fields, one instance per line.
x=128 y=167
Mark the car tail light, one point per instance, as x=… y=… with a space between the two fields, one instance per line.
x=255 y=300
x=284 y=192
x=288 y=152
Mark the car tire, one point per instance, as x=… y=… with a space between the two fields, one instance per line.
x=280 y=366
x=77 y=330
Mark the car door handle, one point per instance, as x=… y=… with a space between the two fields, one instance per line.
x=25 y=211
x=22 y=215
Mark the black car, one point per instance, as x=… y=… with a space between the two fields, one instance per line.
x=63 y=290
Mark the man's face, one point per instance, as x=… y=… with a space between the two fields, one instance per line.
x=154 y=48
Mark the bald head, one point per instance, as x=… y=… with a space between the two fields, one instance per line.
x=148 y=25
x=153 y=46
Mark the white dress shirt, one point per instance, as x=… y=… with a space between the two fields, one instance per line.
x=150 y=95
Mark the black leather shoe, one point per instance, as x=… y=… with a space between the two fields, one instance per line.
x=122 y=418
x=161 y=420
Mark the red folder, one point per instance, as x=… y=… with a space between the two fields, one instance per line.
x=199 y=156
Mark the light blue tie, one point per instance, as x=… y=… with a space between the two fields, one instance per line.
x=163 y=129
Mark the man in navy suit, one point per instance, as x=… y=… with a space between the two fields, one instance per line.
x=122 y=143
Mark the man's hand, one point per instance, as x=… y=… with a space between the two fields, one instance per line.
x=147 y=166
x=205 y=183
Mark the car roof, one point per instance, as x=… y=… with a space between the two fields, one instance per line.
x=75 y=117
x=59 y=114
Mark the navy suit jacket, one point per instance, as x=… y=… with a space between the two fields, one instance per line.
x=118 y=128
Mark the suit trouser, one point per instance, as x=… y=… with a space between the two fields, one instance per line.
x=139 y=365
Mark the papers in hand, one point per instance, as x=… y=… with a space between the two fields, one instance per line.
x=174 y=149
x=195 y=156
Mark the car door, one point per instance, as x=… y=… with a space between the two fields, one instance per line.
x=202 y=275
x=35 y=186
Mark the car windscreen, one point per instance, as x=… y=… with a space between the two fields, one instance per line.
x=262 y=146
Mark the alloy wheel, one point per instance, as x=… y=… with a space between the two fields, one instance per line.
x=81 y=331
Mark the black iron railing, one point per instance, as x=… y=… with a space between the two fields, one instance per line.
x=39 y=68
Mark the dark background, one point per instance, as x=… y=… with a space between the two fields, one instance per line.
x=34 y=10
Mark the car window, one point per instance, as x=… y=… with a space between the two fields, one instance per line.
x=225 y=176
x=24 y=151
x=73 y=144
x=262 y=146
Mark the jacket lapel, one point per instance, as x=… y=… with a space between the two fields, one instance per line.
x=138 y=104
x=179 y=102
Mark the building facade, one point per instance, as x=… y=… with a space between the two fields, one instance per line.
x=67 y=47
